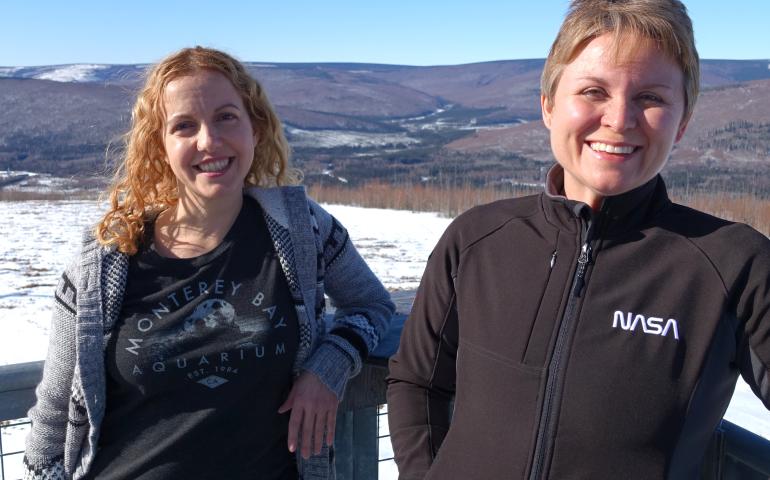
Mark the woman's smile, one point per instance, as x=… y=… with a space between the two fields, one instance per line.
x=614 y=117
x=610 y=148
x=214 y=166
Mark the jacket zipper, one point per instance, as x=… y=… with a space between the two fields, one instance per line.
x=580 y=274
x=547 y=426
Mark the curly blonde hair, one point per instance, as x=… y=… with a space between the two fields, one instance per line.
x=145 y=184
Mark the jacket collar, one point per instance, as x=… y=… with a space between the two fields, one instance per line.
x=618 y=213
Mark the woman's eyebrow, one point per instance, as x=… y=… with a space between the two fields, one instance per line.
x=602 y=81
x=186 y=114
x=227 y=105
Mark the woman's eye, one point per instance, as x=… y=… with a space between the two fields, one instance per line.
x=593 y=93
x=228 y=116
x=650 y=98
x=181 y=126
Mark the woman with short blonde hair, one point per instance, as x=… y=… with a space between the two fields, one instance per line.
x=595 y=330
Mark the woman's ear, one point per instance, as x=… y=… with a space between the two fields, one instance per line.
x=681 y=130
x=546 y=109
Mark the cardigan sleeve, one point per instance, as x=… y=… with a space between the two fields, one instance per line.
x=363 y=306
x=45 y=444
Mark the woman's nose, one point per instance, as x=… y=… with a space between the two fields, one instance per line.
x=208 y=138
x=620 y=115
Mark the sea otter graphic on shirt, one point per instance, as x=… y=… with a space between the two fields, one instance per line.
x=205 y=321
x=207 y=336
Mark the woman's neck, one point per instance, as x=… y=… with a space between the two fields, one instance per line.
x=190 y=229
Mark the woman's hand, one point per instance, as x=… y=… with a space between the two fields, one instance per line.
x=313 y=409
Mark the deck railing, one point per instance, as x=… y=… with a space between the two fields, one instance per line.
x=358 y=422
x=734 y=453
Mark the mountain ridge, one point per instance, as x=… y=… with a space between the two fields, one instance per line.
x=477 y=122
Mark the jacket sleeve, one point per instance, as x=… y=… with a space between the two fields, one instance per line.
x=44 y=453
x=363 y=306
x=421 y=382
x=752 y=305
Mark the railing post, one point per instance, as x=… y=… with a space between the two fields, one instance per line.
x=355 y=444
x=365 y=443
x=2 y=456
x=343 y=446
x=356 y=441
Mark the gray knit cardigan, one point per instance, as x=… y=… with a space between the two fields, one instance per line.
x=316 y=256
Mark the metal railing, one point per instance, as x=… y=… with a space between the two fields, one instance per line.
x=10 y=461
x=733 y=454
x=356 y=442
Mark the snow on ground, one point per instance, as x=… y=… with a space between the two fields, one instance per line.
x=39 y=237
x=394 y=243
x=337 y=138
x=748 y=411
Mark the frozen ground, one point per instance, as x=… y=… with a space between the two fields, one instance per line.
x=38 y=238
x=337 y=138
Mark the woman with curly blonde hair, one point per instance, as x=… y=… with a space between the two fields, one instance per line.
x=193 y=321
x=145 y=179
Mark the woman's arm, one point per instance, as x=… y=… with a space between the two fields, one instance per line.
x=421 y=383
x=753 y=309
x=44 y=454
x=363 y=314
x=363 y=307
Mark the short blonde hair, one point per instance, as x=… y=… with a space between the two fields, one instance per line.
x=665 y=22
x=144 y=182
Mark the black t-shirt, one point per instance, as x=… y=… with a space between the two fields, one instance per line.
x=199 y=362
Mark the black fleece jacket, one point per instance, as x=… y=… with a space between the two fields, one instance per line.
x=550 y=341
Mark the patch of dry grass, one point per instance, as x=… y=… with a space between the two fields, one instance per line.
x=447 y=200
x=453 y=200
x=745 y=208
x=13 y=195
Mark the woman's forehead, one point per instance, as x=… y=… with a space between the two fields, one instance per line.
x=621 y=50
x=201 y=87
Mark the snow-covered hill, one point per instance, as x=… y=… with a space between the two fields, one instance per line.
x=77 y=72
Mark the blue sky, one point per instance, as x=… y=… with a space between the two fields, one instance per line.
x=417 y=32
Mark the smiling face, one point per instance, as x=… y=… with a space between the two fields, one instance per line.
x=208 y=137
x=614 y=118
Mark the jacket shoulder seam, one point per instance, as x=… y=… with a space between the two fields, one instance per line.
x=711 y=263
x=493 y=230
x=434 y=370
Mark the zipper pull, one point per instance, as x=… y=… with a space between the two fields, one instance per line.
x=553 y=258
x=583 y=261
